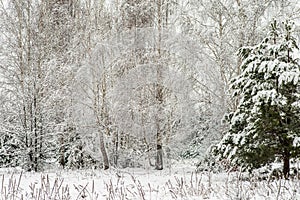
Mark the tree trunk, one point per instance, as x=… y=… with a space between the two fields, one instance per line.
x=159 y=157
x=62 y=151
x=103 y=151
x=35 y=130
x=159 y=96
x=159 y=144
x=116 y=148
x=286 y=164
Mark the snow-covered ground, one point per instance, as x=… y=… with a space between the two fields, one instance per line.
x=179 y=182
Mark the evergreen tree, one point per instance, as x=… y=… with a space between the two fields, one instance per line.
x=266 y=125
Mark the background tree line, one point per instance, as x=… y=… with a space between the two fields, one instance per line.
x=124 y=82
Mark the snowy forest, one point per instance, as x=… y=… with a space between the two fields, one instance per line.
x=148 y=84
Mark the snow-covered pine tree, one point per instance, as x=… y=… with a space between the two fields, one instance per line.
x=266 y=124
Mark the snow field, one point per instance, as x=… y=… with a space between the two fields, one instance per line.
x=138 y=184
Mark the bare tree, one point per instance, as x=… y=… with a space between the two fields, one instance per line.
x=36 y=77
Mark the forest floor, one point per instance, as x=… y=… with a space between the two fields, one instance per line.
x=178 y=182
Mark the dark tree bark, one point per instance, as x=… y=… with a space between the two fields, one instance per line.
x=286 y=164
